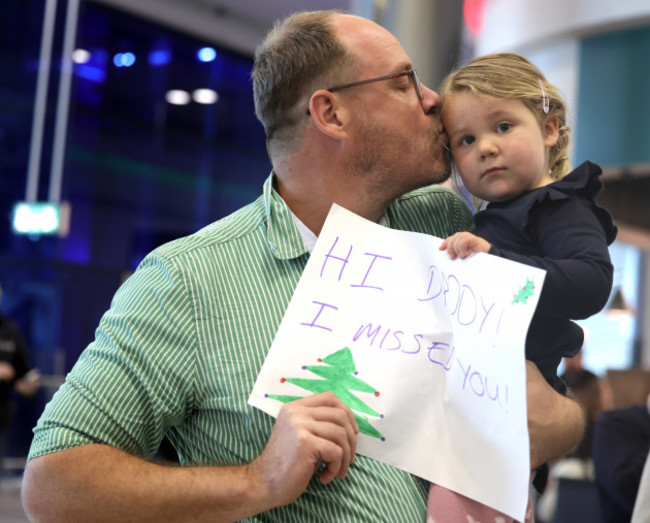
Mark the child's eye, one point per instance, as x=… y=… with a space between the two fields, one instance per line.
x=466 y=140
x=503 y=127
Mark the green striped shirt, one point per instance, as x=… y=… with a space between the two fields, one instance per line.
x=180 y=349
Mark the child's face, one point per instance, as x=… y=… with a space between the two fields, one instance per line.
x=498 y=145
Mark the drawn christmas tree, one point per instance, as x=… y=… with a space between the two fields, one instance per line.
x=339 y=376
x=525 y=292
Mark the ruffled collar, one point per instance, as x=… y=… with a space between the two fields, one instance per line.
x=583 y=183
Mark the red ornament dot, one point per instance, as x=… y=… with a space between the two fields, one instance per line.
x=282 y=380
x=377 y=393
x=319 y=360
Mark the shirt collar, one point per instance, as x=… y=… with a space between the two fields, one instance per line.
x=308 y=237
x=288 y=237
x=285 y=240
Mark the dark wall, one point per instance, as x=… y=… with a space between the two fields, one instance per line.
x=138 y=171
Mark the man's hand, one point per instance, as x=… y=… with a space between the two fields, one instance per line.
x=7 y=372
x=462 y=244
x=310 y=432
x=29 y=384
x=556 y=423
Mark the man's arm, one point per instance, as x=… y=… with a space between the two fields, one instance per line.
x=101 y=483
x=556 y=423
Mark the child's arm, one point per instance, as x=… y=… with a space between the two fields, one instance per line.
x=574 y=254
x=462 y=244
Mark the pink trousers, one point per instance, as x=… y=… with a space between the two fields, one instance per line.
x=446 y=506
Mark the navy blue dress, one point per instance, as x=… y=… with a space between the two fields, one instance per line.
x=558 y=228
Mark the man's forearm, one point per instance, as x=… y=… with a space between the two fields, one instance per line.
x=556 y=423
x=100 y=483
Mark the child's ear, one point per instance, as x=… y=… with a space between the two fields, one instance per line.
x=551 y=131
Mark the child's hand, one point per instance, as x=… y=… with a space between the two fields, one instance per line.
x=462 y=244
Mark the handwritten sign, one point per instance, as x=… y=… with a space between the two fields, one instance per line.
x=427 y=352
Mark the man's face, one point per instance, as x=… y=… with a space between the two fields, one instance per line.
x=400 y=139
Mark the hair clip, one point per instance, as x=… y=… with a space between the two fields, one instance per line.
x=545 y=100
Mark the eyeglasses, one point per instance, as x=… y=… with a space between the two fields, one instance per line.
x=411 y=72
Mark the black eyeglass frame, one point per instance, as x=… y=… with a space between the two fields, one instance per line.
x=411 y=72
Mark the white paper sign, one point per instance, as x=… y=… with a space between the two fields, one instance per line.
x=427 y=352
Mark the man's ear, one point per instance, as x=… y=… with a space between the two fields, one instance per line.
x=551 y=131
x=328 y=114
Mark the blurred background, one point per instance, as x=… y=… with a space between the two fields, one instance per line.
x=127 y=123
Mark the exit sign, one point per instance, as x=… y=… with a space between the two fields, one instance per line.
x=36 y=218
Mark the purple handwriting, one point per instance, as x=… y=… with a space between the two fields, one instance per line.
x=440 y=353
x=331 y=259
x=464 y=305
x=362 y=270
x=313 y=323
x=461 y=301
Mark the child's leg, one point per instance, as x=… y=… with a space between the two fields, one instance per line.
x=446 y=506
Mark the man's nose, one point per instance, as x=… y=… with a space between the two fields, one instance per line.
x=430 y=100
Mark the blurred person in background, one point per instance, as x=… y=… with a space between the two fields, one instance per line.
x=15 y=373
x=641 y=513
x=620 y=447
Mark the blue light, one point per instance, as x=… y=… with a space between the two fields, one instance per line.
x=92 y=73
x=124 y=59
x=206 y=54
x=128 y=59
x=159 y=57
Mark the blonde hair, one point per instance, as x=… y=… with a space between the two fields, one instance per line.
x=512 y=77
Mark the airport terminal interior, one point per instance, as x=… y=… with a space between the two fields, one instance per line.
x=129 y=123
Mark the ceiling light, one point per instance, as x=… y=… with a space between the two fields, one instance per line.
x=206 y=54
x=177 y=97
x=80 y=56
x=205 y=96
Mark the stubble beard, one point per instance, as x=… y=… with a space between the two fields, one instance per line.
x=382 y=162
x=441 y=170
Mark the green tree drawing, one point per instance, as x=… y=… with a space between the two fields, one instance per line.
x=525 y=292
x=339 y=377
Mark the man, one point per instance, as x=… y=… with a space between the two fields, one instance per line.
x=186 y=336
